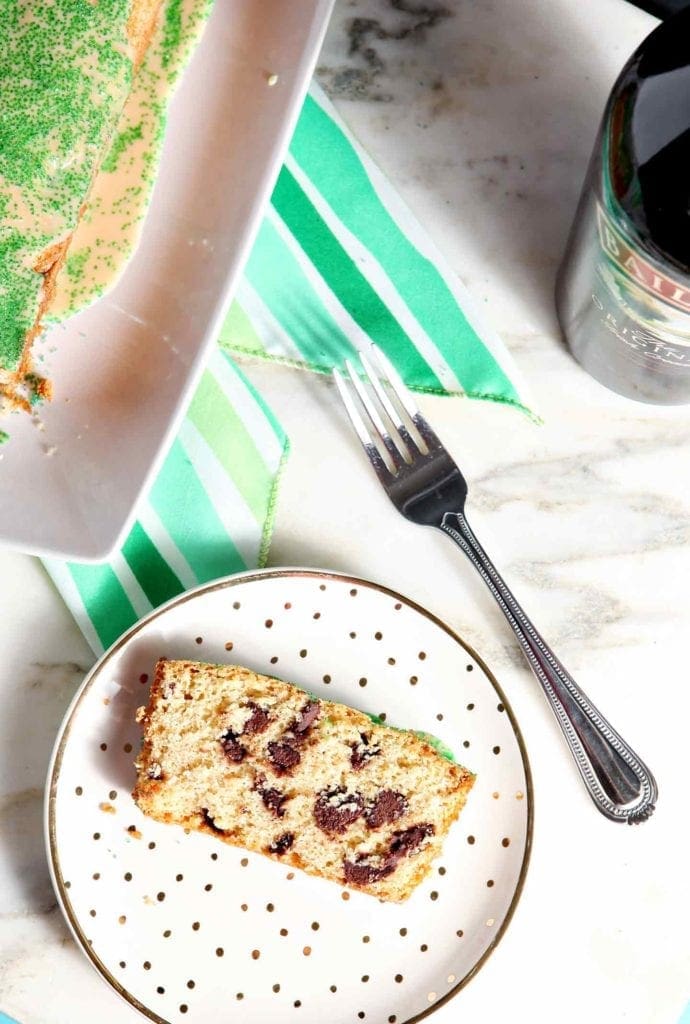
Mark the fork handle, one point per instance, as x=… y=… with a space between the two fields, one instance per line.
x=620 y=784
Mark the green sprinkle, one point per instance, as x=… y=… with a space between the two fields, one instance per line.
x=75 y=263
x=4 y=438
x=172 y=30
x=122 y=141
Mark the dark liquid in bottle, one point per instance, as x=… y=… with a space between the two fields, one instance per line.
x=623 y=293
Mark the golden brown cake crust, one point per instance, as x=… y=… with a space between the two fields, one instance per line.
x=141 y=26
x=262 y=764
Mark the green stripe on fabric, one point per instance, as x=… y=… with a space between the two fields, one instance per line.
x=188 y=514
x=326 y=155
x=265 y=409
x=105 y=600
x=347 y=282
x=283 y=286
x=225 y=433
x=155 y=576
x=238 y=331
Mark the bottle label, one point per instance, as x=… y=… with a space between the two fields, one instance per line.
x=633 y=265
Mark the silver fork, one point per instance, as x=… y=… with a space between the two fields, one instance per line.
x=426 y=486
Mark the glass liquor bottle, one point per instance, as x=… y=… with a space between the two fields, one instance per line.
x=623 y=289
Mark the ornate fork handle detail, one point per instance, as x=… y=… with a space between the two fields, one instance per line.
x=617 y=780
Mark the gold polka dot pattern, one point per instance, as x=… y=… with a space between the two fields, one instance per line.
x=175 y=918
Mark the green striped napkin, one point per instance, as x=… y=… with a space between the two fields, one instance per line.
x=208 y=514
x=338 y=261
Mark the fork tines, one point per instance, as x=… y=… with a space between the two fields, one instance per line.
x=386 y=420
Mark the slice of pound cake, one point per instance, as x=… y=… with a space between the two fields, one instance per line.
x=261 y=764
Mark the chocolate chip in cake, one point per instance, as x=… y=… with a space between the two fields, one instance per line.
x=307 y=716
x=362 y=752
x=369 y=868
x=409 y=840
x=257 y=721
x=208 y=820
x=282 y=843
x=336 y=809
x=232 y=748
x=283 y=757
x=273 y=799
x=386 y=808
x=364 y=871
x=283 y=754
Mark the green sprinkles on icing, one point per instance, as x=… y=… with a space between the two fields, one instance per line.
x=122 y=141
x=132 y=162
x=59 y=104
x=172 y=31
x=75 y=263
x=64 y=74
x=4 y=438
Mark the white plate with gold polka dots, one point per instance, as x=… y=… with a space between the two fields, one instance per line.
x=187 y=928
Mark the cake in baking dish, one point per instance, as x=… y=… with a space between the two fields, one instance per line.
x=260 y=763
x=66 y=68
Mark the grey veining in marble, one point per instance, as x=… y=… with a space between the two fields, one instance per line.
x=369 y=59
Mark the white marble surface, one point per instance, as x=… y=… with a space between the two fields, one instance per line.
x=484 y=120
